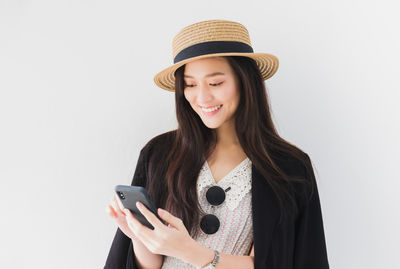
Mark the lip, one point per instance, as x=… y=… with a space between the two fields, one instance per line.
x=212 y=113
x=209 y=106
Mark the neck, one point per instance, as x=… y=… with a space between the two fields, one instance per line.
x=226 y=136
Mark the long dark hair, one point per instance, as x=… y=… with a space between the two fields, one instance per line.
x=193 y=143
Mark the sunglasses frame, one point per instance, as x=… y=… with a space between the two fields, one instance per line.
x=215 y=196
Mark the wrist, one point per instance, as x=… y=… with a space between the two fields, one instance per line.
x=197 y=254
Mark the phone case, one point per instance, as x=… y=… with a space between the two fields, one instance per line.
x=129 y=195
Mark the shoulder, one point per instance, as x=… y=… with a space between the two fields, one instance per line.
x=160 y=142
x=299 y=166
x=295 y=164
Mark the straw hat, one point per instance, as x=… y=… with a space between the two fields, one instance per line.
x=213 y=38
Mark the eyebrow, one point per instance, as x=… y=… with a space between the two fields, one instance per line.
x=209 y=75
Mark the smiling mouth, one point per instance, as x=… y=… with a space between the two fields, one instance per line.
x=211 y=109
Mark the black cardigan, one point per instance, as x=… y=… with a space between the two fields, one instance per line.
x=298 y=243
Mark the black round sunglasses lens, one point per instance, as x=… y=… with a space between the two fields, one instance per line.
x=209 y=224
x=215 y=195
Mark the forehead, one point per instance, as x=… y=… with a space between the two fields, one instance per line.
x=207 y=67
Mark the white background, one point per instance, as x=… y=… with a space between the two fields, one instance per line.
x=78 y=102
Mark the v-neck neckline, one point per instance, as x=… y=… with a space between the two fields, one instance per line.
x=228 y=174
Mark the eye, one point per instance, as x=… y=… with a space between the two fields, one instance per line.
x=216 y=84
x=212 y=84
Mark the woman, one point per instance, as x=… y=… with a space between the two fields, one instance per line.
x=233 y=192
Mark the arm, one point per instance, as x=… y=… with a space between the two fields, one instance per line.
x=198 y=255
x=124 y=253
x=144 y=258
x=174 y=240
x=310 y=247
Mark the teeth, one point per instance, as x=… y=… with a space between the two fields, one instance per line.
x=211 y=109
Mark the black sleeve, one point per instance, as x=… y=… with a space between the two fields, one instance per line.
x=121 y=254
x=310 y=247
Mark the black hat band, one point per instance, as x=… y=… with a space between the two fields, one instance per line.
x=212 y=47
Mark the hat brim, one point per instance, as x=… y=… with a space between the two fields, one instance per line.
x=267 y=63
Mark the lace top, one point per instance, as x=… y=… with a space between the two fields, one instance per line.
x=235 y=234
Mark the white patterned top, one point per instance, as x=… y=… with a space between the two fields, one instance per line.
x=235 y=234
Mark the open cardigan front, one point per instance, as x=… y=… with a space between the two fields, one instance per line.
x=295 y=243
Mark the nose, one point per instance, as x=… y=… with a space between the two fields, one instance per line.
x=204 y=95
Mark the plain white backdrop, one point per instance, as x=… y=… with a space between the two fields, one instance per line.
x=78 y=102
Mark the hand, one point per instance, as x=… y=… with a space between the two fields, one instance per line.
x=172 y=240
x=116 y=211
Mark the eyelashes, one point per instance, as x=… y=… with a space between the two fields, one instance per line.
x=212 y=84
x=216 y=84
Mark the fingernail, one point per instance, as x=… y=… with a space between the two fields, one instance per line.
x=138 y=204
x=160 y=212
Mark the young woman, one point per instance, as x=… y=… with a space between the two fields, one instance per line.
x=233 y=192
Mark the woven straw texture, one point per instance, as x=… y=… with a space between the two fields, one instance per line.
x=213 y=30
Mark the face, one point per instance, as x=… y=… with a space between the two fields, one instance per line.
x=211 y=88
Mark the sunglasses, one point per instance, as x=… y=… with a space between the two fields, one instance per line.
x=215 y=195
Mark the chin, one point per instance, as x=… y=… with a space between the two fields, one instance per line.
x=212 y=125
x=210 y=122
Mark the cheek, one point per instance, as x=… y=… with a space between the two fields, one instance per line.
x=187 y=96
x=191 y=95
x=229 y=95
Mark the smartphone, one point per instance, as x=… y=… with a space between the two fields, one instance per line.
x=129 y=195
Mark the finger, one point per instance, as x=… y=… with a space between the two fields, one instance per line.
x=150 y=216
x=118 y=201
x=111 y=212
x=131 y=218
x=116 y=207
x=140 y=231
x=171 y=219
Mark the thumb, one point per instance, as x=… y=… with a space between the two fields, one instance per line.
x=171 y=219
